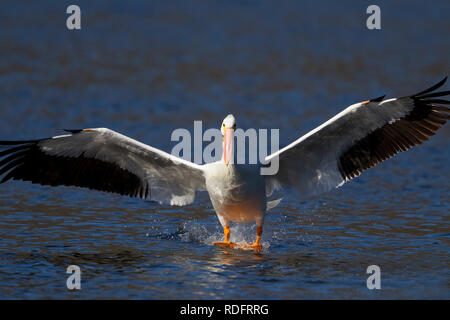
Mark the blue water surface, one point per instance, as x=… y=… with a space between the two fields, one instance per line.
x=145 y=68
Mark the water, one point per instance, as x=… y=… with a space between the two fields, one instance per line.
x=144 y=69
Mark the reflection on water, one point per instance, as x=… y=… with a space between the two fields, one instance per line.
x=145 y=69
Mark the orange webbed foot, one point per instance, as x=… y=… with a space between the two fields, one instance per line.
x=225 y=244
x=256 y=246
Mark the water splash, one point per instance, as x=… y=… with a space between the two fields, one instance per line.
x=241 y=234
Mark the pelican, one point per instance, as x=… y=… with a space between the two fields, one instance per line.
x=358 y=138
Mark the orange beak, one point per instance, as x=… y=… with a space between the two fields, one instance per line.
x=228 y=145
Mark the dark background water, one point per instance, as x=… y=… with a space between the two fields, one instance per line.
x=144 y=68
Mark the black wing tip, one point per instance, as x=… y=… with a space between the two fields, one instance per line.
x=440 y=83
x=73 y=130
x=430 y=89
x=379 y=99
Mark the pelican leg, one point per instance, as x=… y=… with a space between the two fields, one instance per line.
x=226 y=242
x=256 y=245
x=258 y=237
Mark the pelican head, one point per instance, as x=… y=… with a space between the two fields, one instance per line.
x=227 y=128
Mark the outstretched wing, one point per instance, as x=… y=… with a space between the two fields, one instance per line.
x=358 y=138
x=104 y=160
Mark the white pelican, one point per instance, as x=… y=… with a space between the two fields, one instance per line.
x=356 y=139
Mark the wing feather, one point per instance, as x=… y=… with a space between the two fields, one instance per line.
x=358 y=138
x=104 y=160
